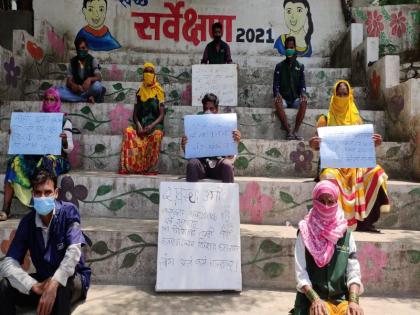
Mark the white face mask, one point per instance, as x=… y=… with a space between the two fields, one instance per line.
x=208 y=112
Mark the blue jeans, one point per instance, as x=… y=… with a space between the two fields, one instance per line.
x=296 y=104
x=96 y=90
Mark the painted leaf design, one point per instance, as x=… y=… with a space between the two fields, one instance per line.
x=100 y=148
x=286 y=197
x=140 y=71
x=173 y=147
x=241 y=163
x=101 y=248
x=86 y=110
x=308 y=207
x=413 y=256
x=414 y=192
x=273 y=269
x=117 y=86
x=89 y=126
x=174 y=94
x=45 y=86
x=184 y=74
x=103 y=190
x=136 y=238
x=116 y=204
x=129 y=260
x=120 y=97
x=241 y=147
x=154 y=198
x=166 y=80
x=274 y=152
x=62 y=67
x=269 y=247
x=257 y=117
x=165 y=70
x=392 y=152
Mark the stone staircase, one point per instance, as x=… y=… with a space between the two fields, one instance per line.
x=119 y=213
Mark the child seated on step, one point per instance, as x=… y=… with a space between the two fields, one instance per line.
x=220 y=168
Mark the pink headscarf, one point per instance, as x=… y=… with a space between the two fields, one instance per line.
x=324 y=225
x=51 y=107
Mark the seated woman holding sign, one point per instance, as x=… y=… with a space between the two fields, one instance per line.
x=220 y=168
x=326 y=267
x=141 y=142
x=20 y=168
x=363 y=190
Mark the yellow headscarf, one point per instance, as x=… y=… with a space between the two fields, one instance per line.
x=343 y=111
x=150 y=87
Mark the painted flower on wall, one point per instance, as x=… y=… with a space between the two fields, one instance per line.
x=302 y=158
x=34 y=50
x=57 y=43
x=372 y=261
x=374 y=23
x=5 y=247
x=12 y=72
x=396 y=105
x=119 y=117
x=115 y=73
x=74 y=156
x=71 y=193
x=398 y=24
x=255 y=203
x=375 y=84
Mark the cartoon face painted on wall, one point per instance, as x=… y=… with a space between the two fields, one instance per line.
x=96 y=32
x=298 y=20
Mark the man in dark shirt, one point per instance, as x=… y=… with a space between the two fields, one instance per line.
x=289 y=89
x=217 y=51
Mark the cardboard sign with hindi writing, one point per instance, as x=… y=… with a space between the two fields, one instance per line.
x=221 y=80
x=347 y=146
x=36 y=133
x=199 y=243
x=210 y=135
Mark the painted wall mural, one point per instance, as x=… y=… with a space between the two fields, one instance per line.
x=398 y=28
x=250 y=27
x=298 y=19
x=96 y=32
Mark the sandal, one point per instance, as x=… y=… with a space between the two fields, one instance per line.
x=290 y=136
x=4 y=216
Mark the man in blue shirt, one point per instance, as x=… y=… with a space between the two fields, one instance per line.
x=289 y=89
x=52 y=235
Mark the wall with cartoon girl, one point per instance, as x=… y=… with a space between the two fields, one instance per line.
x=298 y=19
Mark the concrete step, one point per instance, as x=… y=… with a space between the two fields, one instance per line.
x=269 y=158
x=389 y=261
x=111 y=119
x=134 y=57
x=286 y=200
x=174 y=74
x=249 y=95
x=134 y=300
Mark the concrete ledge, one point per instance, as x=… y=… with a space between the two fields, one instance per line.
x=249 y=95
x=288 y=200
x=111 y=119
x=389 y=262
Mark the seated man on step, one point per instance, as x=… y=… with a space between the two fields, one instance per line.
x=220 y=168
x=83 y=77
x=53 y=236
x=289 y=89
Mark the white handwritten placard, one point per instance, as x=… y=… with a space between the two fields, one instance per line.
x=221 y=80
x=36 y=133
x=199 y=243
x=210 y=135
x=347 y=146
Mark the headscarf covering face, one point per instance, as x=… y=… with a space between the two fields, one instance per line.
x=343 y=111
x=48 y=106
x=324 y=225
x=150 y=87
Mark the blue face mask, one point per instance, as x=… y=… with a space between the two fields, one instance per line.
x=44 y=205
